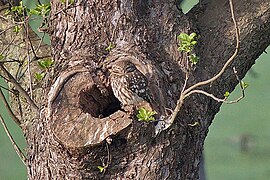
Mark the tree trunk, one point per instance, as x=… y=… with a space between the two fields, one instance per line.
x=82 y=125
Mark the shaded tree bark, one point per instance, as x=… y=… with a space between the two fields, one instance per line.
x=82 y=125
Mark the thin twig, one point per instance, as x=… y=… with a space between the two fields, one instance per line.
x=7 y=89
x=3 y=77
x=39 y=44
x=28 y=41
x=224 y=100
x=15 y=146
x=28 y=38
x=214 y=97
x=177 y=109
x=15 y=119
x=19 y=88
x=9 y=61
x=228 y=61
x=9 y=44
x=2 y=32
x=186 y=79
x=184 y=94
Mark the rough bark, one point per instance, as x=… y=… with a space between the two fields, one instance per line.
x=69 y=140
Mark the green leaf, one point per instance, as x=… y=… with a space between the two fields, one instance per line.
x=46 y=63
x=16 y=29
x=2 y=56
x=7 y=12
x=194 y=59
x=110 y=47
x=187 y=42
x=227 y=94
x=43 y=10
x=35 y=22
x=193 y=42
x=18 y=9
x=244 y=85
x=183 y=36
x=145 y=115
x=39 y=76
x=192 y=35
x=101 y=168
x=36 y=18
x=34 y=11
x=31 y=4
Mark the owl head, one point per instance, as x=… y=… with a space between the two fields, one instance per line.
x=123 y=67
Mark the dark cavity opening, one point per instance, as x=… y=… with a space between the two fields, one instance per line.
x=92 y=101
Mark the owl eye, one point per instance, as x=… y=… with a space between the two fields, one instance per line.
x=130 y=68
x=116 y=69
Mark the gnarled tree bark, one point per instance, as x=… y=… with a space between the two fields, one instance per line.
x=82 y=125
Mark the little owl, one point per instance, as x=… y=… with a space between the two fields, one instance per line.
x=128 y=84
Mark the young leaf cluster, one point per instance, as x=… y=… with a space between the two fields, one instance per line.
x=244 y=85
x=110 y=47
x=17 y=11
x=45 y=65
x=41 y=10
x=33 y=13
x=101 y=168
x=186 y=44
x=226 y=94
x=145 y=115
x=1 y=57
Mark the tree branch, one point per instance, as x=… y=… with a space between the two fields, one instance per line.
x=18 y=86
x=228 y=61
x=15 y=146
x=15 y=119
x=186 y=93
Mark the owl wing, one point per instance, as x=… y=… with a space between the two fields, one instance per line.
x=138 y=84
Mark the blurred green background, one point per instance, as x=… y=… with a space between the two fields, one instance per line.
x=237 y=146
x=238 y=143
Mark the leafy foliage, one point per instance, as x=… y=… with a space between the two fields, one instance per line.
x=145 y=115
x=19 y=10
x=110 y=47
x=101 y=168
x=16 y=29
x=186 y=44
x=41 y=10
x=244 y=85
x=39 y=76
x=227 y=94
x=2 y=56
x=46 y=63
x=38 y=11
x=194 y=59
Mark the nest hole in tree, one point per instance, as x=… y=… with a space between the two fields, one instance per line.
x=92 y=101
